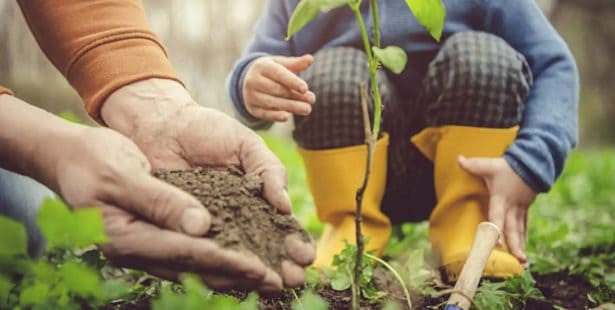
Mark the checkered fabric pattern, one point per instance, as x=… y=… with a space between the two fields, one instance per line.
x=476 y=79
x=337 y=119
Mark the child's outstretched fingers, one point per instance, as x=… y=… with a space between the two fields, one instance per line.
x=271 y=88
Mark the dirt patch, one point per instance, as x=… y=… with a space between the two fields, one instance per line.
x=241 y=219
x=564 y=290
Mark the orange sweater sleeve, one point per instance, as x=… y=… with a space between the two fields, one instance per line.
x=5 y=91
x=98 y=45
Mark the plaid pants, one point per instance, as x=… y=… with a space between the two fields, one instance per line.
x=476 y=79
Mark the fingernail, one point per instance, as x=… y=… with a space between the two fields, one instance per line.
x=195 y=221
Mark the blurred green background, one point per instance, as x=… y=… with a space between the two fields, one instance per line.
x=204 y=38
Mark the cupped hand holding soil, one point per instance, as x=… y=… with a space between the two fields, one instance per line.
x=243 y=221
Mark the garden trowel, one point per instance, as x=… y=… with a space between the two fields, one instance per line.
x=487 y=235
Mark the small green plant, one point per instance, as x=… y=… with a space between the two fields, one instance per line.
x=510 y=294
x=63 y=279
x=341 y=277
x=194 y=295
x=310 y=301
x=431 y=14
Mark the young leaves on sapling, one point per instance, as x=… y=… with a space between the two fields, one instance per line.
x=392 y=57
x=431 y=14
x=307 y=10
x=341 y=277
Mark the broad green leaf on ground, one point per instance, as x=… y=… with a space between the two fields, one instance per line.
x=250 y=303
x=34 y=295
x=391 y=305
x=415 y=273
x=310 y=301
x=13 y=239
x=392 y=57
x=56 y=223
x=5 y=289
x=490 y=295
x=80 y=280
x=312 y=277
x=431 y=14
x=307 y=10
x=90 y=227
x=63 y=228
x=114 y=289
x=197 y=296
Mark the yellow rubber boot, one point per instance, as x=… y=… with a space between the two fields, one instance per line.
x=334 y=176
x=463 y=199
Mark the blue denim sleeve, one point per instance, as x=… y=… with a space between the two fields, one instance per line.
x=549 y=129
x=269 y=39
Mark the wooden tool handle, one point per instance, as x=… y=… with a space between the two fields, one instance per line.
x=487 y=235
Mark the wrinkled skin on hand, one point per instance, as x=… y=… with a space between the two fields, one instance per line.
x=176 y=133
x=151 y=225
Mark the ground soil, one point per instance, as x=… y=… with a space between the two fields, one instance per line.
x=241 y=219
x=244 y=221
x=565 y=291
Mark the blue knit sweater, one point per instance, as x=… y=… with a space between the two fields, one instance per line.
x=549 y=129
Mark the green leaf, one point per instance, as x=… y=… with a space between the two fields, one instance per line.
x=340 y=280
x=34 y=295
x=250 y=303
x=392 y=57
x=66 y=229
x=307 y=10
x=90 y=228
x=168 y=300
x=56 y=223
x=310 y=301
x=113 y=289
x=431 y=14
x=391 y=305
x=312 y=277
x=5 y=290
x=13 y=239
x=69 y=116
x=80 y=280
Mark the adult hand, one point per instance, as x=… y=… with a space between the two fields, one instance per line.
x=271 y=88
x=510 y=199
x=98 y=167
x=176 y=133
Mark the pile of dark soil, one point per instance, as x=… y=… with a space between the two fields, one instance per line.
x=241 y=219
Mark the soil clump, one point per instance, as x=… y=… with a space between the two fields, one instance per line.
x=242 y=219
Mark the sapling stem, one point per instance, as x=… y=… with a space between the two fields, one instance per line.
x=376 y=22
x=370 y=143
x=371 y=136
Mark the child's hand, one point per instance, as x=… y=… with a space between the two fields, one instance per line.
x=510 y=199
x=271 y=88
